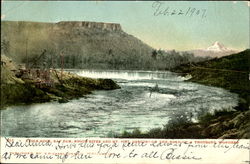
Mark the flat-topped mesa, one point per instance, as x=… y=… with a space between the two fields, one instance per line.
x=84 y=24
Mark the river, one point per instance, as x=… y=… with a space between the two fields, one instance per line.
x=139 y=104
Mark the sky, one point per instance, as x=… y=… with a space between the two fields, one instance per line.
x=179 y=25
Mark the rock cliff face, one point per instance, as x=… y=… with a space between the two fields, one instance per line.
x=89 y=25
x=83 y=44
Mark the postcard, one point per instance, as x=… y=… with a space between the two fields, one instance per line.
x=125 y=82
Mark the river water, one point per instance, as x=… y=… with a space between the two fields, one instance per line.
x=139 y=104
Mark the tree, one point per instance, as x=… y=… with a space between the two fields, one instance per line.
x=154 y=54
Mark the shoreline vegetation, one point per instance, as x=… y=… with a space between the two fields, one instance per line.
x=229 y=72
x=19 y=87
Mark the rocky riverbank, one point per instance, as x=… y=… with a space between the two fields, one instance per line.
x=19 y=87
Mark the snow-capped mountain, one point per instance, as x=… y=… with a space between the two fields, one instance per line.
x=217 y=47
x=215 y=50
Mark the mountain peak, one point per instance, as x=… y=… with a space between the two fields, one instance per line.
x=217 y=43
x=218 y=47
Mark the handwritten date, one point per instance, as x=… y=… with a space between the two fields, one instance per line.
x=161 y=10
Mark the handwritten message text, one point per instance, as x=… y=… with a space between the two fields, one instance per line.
x=133 y=150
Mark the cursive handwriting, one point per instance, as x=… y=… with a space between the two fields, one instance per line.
x=161 y=10
x=63 y=150
x=170 y=154
x=28 y=143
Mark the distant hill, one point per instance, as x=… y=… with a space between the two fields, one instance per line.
x=83 y=44
x=229 y=72
x=215 y=50
x=237 y=62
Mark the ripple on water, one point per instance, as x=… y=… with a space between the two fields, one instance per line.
x=105 y=113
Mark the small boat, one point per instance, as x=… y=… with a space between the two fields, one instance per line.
x=155 y=88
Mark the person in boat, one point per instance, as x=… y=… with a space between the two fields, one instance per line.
x=154 y=89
